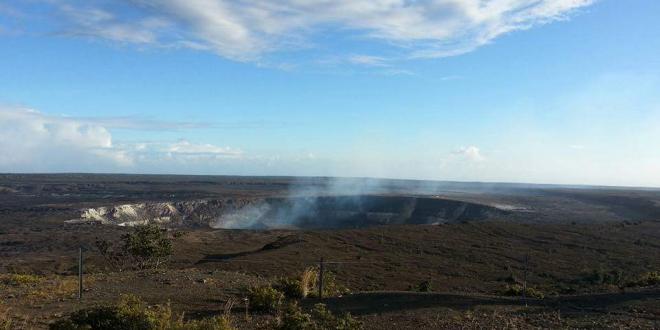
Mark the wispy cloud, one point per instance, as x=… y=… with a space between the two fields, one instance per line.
x=249 y=30
x=141 y=123
x=368 y=60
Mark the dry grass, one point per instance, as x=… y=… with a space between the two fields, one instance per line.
x=21 y=280
x=308 y=280
x=35 y=290
x=9 y=320
x=5 y=318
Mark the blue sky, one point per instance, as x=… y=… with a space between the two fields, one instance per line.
x=518 y=90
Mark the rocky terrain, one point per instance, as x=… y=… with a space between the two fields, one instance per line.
x=590 y=253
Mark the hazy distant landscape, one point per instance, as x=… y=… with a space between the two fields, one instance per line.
x=426 y=254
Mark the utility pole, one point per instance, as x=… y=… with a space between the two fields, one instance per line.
x=80 y=272
x=321 y=265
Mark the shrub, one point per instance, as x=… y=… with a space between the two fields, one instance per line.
x=600 y=277
x=132 y=313
x=323 y=316
x=291 y=288
x=517 y=290
x=212 y=323
x=265 y=298
x=294 y=318
x=324 y=319
x=298 y=288
x=146 y=247
x=348 y=322
x=330 y=286
x=424 y=286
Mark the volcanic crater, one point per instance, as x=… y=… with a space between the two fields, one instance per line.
x=318 y=212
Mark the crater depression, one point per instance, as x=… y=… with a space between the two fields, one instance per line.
x=293 y=213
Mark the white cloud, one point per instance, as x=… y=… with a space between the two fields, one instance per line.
x=247 y=30
x=151 y=124
x=186 y=148
x=368 y=60
x=94 y=22
x=33 y=141
x=470 y=153
x=30 y=139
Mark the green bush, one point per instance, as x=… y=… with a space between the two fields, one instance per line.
x=324 y=319
x=517 y=290
x=212 y=323
x=424 y=286
x=294 y=318
x=265 y=298
x=600 y=277
x=301 y=287
x=291 y=287
x=131 y=313
x=148 y=245
x=331 y=288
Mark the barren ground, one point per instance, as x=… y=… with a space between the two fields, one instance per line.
x=568 y=233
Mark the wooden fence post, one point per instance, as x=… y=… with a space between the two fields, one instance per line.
x=524 y=291
x=321 y=266
x=80 y=272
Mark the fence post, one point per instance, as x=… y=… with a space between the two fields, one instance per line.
x=321 y=278
x=524 y=292
x=80 y=272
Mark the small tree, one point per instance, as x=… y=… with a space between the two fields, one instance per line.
x=148 y=245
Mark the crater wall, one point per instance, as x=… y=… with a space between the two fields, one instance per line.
x=294 y=213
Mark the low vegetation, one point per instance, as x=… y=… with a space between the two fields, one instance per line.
x=39 y=289
x=21 y=279
x=294 y=318
x=6 y=319
x=518 y=290
x=424 y=286
x=147 y=247
x=602 y=277
x=132 y=313
x=265 y=298
x=647 y=279
x=301 y=287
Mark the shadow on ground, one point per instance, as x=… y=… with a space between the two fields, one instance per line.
x=381 y=302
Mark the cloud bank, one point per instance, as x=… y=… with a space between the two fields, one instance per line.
x=245 y=30
x=31 y=141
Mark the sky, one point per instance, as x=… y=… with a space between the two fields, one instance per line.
x=535 y=91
